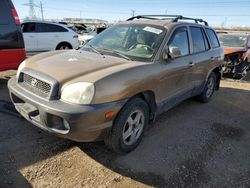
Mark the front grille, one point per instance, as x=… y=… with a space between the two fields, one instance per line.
x=36 y=84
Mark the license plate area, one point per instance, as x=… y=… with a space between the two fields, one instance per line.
x=29 y=111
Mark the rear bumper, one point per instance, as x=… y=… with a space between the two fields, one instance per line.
x=82 y=123
x=11 y=59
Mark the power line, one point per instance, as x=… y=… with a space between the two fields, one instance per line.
x=89 y=11
x=133 y=12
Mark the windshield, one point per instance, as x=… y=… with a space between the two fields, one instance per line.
x=233 y=41
x=136 y=42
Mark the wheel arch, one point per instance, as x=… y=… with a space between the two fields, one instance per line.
x=217 y=72
x=64 y=42
x=149 y=97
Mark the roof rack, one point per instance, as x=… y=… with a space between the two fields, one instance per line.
x=172 y=18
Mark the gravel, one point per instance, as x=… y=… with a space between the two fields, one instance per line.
x=192 y=145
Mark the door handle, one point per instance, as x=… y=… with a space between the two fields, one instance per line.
x=191 y=64
x=31 y=36
x=212 y=59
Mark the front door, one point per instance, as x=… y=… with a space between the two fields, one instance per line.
x=175 y=82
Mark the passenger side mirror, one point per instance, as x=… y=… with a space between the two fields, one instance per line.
x=171 y=52
x=165 y=54
x=174 y=52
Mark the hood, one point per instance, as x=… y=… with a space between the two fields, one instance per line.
x=85 y=37
x=229 y=50
x=68 y=65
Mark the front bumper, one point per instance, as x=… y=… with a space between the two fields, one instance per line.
x=82 y=123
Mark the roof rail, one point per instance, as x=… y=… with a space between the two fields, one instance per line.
x=172 y=18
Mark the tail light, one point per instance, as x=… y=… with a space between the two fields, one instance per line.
x=15 y=16
x=75 y=36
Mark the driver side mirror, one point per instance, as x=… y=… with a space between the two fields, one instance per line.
x=171 y=52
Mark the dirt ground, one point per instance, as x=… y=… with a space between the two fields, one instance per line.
x=192 y=145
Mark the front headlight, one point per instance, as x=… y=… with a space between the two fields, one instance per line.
x=78 y=93
x=20 y=68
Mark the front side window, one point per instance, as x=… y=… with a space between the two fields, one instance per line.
x=180 y=40
x=198 y=39
x=135 y=41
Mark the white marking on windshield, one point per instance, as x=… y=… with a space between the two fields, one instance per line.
x=152 y=30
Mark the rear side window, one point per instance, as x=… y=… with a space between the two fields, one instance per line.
x=5 y=12
x=205 y=39
x=213 y=38
x=46 y=28
x=198 y=39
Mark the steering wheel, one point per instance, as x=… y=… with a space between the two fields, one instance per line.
x=145 y=46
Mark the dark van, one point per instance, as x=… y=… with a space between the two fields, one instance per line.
x=12 y=51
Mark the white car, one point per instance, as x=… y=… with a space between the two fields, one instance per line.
x=42 y=36
x=84 y=38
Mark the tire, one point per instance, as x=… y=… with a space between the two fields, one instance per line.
x=128 y=127
x=208 y=90
x=64 y=46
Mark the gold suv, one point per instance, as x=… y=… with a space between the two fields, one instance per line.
x=119 y=81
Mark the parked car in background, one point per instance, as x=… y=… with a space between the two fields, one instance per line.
x=119 y=81
x=12 y=51
x=237 y=54
x=40 y=36
x=80 y=28
x=84 y=38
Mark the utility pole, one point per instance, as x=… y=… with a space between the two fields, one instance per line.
x=32 y=13
x=132 y=13
x=41 y=8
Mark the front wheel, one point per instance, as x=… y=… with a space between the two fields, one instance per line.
x=208 y=90
x=128 y=127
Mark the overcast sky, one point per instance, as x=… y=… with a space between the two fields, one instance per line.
x=216 y=12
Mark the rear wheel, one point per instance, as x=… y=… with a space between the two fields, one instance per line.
x=128 y=127
x=208 y=90
x=63 y=46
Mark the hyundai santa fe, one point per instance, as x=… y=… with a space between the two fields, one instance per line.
x=111 y=88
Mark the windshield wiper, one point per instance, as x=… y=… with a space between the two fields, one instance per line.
x=117 y=53
x=94 y=49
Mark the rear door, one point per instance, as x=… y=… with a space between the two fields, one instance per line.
x=30 y=36
x=50 y=35
x=11 y=39
x=201 y=57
